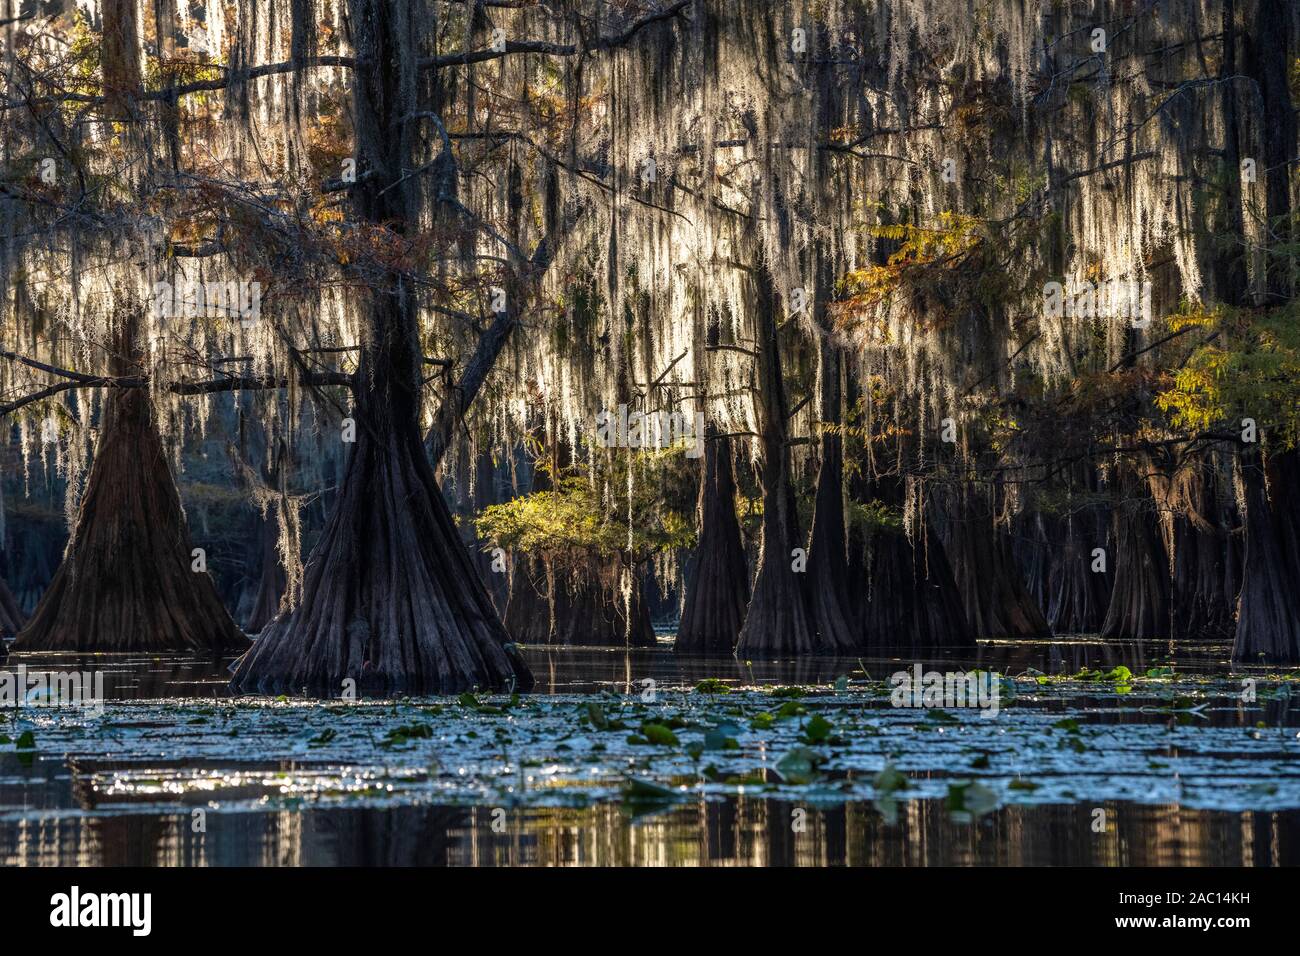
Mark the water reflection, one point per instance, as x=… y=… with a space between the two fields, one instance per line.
x=52 y=814
x=736 y=832
x=581 y=669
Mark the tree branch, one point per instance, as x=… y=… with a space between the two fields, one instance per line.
x=558 y=49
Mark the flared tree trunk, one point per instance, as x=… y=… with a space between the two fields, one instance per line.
x=271 y=580
x=577 y=608
x=779 y=621
x=11 y=618
x=1203 y=603
x=718 y=589
x=909 y=598
x=593 y=612
x=1139 y=601
x=1078 y=596
x=828 y=552
x=1032 y=548
x=391 y=598
x=997 y=603
x=127 y=582
x=1268 y=610
x=528 y=606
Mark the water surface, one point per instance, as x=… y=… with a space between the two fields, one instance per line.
x=1100 y=754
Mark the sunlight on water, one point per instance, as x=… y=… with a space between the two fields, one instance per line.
x=639 y=758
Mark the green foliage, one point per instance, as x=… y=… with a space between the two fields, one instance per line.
x=1246 y=366
x=574 y=520
x=875 y=516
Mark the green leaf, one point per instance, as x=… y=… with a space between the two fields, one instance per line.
x=969 y=799
x=817 y=730
x=659 y=734
x=640 y=790
x=798 y=766
x=596 y=714
x=890 y=779
x=712 y=685
x=324 y=737
x=790 y=708
x=717 y=738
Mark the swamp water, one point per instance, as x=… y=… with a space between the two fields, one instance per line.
x=1099 y=754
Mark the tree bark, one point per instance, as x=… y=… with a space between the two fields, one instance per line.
x=1139 y=602
x=718 y=589
x=1268 y=610
x=1078 y=596
x=779 y=622
x=11 y=617
x=1031 y=546
x=126 y=581
x=828 y=552
x=909 y=598
x=997 y=603
x=1202 y=599
x=271 y=581
x=580 y=608
x=391 y=598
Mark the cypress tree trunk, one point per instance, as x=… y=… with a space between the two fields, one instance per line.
x=528 y=607
x=1078 y=596
x=904 y=596
x=1139 y=603
x=126 y=581
x=718 y=589
x=828 y=553
x=779 y=622
x=912 y=600
x=590 y=611
x=577 y=608
x=1202 y=602
x=11 y=618
x=272 y=575
x=996 y=600
x=391 y=598
x=1268 y=611
x=1031 y=546
x=271 y=581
